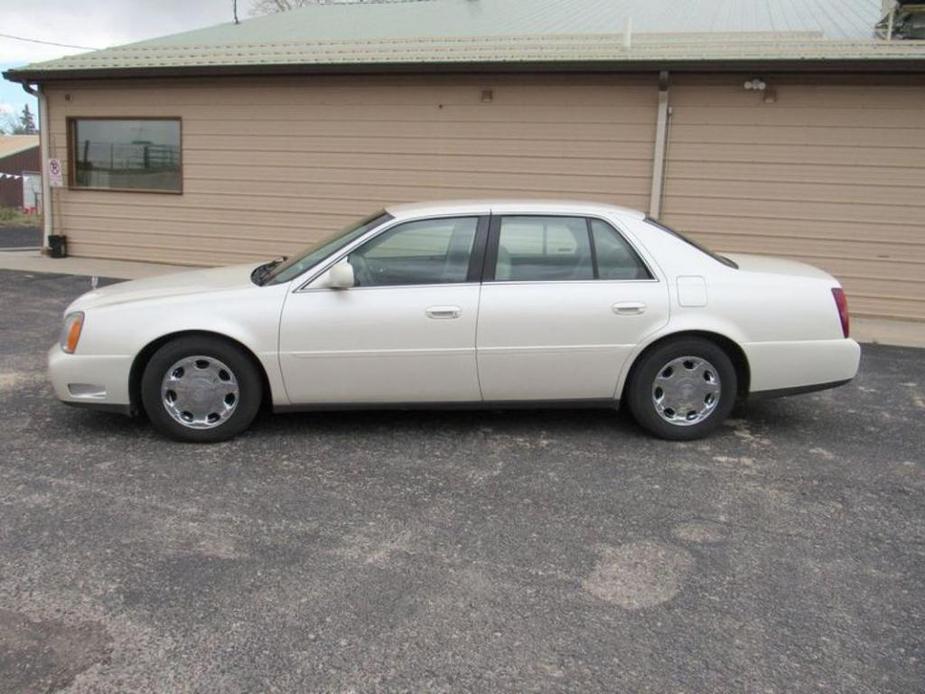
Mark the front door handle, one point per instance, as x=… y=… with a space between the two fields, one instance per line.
x=443 y=312
x=629 y=308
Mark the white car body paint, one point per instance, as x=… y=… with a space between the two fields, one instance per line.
x=378 y=344
x=537 y=341
x=122 y=319
x=692 y=291
x=511 y=341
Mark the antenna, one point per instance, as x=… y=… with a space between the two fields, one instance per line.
x=234 y=9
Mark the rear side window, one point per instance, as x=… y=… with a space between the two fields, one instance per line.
x=564 y=249
x=543 y=249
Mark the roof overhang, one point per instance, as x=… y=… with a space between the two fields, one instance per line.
x=603 y=52
x=893 y=65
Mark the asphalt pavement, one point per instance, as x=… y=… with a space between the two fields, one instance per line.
x=20 y=237
x=554 y=550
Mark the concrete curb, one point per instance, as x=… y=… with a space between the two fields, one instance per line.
x=888 y=332
x=117 y=269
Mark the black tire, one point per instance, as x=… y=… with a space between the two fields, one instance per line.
x=247 y=401
x=639 y=391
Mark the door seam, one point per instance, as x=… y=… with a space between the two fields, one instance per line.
x=475 y=350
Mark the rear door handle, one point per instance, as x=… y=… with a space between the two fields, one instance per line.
x=629 y=308
x=443 y=312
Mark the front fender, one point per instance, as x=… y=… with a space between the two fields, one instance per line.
x=247 y=316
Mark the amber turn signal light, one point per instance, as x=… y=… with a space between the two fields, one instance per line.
x=70 y=334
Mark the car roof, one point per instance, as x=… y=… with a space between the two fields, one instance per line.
x=510 y=206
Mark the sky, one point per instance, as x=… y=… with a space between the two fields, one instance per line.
x=93 y=23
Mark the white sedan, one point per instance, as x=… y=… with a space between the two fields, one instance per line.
x=487 y=303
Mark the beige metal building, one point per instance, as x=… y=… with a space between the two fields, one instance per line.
x=770 y=127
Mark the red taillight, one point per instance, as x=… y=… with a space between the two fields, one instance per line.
x=841 y=301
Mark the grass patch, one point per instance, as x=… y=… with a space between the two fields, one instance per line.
x=11 y=217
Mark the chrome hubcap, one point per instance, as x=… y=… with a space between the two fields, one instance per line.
x=686 y=390
x=200 y=392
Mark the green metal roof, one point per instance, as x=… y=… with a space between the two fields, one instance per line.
x=510 y=33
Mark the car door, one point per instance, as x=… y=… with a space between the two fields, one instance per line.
x=404 y=333
x=564 y=301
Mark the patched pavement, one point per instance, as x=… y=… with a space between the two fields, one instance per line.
x=490 y=551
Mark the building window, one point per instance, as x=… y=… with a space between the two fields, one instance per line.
x=126 y=154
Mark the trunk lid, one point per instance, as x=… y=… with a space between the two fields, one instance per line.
x=777 y=266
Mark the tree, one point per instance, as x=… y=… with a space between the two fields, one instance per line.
x=273 y=6
x=24 y=124
x=27 y=121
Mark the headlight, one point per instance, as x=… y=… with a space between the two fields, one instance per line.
x=70 y=333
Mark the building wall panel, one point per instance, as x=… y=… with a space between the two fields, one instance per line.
x=273 y=164
x=832 y=172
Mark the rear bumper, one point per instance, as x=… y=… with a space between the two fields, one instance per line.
x=797 y=390
x=95 y=381
x=787 y=368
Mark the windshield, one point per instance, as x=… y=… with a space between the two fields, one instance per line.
x=318 y=251
x=700 y=247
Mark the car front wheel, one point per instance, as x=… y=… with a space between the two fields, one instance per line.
x=201 y=389
x=683 y=389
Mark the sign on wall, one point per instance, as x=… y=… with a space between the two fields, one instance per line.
x=55 y=173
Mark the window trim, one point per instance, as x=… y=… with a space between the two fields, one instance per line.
x=595 y=271
x=476 y=258
x=494 y=238
x=71 y=122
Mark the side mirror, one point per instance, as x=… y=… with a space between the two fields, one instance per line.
x=340 y=276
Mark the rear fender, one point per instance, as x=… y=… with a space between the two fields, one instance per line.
x=699 y=323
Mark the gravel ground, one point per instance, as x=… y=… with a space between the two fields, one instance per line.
x=514 y=551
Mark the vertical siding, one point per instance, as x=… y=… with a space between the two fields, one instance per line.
x=272 y=164
x=832 y=173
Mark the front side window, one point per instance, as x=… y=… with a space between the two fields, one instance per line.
x=292 y=267
x=430 y=251
x=126 y=154
x=543 y=249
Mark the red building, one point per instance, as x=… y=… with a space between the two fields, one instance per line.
x=18 y=154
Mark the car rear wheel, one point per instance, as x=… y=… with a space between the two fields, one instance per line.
x=201 y=389
x=683 y=389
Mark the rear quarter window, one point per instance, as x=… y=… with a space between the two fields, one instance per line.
x=616 y=259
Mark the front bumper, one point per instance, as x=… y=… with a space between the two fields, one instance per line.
x=100 y=381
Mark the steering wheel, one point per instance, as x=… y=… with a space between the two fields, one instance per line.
x=361 y=271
